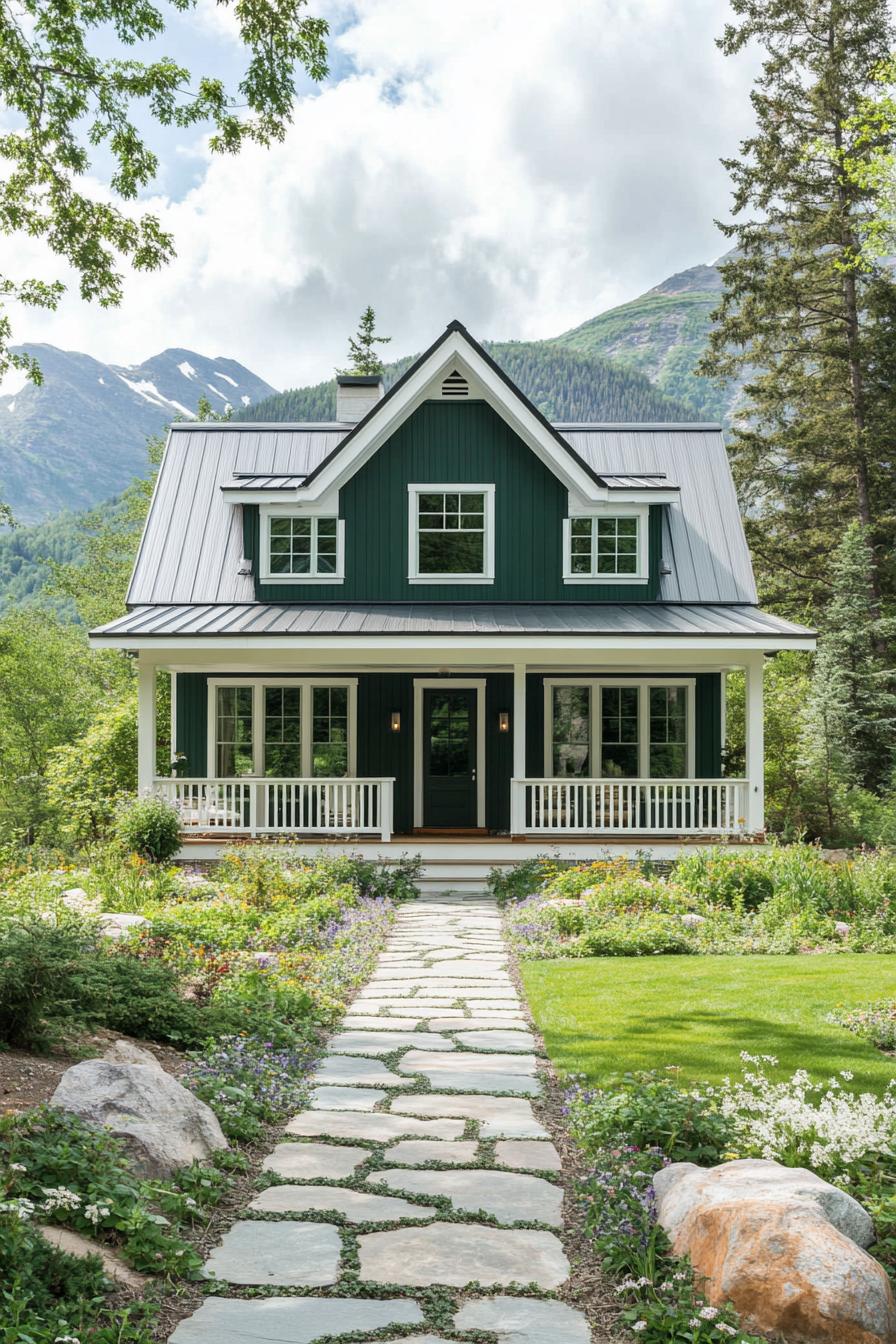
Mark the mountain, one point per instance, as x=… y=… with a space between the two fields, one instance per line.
x=564 y=385
x=80 y=436
x=662 y=335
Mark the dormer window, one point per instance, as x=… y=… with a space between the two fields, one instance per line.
x=605 y=548
x=451 y=533
x=302 y=548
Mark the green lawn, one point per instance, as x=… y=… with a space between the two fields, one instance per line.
x=602 y=1016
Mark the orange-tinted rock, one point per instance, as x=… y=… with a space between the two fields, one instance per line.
x=787 y=1271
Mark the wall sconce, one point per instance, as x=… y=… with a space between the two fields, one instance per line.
x=395 y=721
x=503 y=721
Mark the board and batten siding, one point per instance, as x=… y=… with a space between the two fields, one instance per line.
x=447 y=442
x=382 y=753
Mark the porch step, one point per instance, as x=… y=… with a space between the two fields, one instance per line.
x=468 y=877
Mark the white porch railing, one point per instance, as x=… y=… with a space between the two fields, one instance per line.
x=282 y=806
x=628 y=806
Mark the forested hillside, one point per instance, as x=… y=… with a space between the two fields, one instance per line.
x=662 y=334
x=563 y=384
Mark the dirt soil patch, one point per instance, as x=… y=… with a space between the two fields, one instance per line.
x=27 y=1079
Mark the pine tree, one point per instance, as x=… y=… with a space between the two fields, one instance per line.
x=851 y=714
x=363 y=356
x=805 y=313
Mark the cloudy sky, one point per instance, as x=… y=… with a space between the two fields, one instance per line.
x=515 y=164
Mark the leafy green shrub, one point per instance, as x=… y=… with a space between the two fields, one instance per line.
x=149 y=827
x=86 y=778
x=727 y=877
x=41 y=976
x=876 y=1022
x=248 y=1083
x=509 y=885
x=634 y=936
x=140 y=998
x=650 y=1111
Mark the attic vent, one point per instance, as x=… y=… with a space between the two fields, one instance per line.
x=455 y=385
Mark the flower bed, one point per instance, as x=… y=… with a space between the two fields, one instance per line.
x=783 y=900
x=628 y=1133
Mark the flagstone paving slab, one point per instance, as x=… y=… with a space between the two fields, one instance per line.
x=524 y=1320
x=495 y=1021
x=313 y=1161
x=499 y=1117
x=417 y=1152
x=291 y=1320
x=507 y=1196
x=345 y=1098
x=466 y=1061
x=455 y=1254
x=356 y=1071
x=281 y=1255
x=498 y=1040
x=384 y=1042
x=527 y=1154
x=356 y=1205
x=382 y=1023
x=379 y=1128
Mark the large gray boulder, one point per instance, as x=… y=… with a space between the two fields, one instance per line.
x=781 y=1246
x=162 y=1124
x=683 y=1186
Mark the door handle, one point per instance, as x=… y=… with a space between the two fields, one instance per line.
x=474 y=774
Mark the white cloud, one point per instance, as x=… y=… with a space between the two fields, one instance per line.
x=518 y=166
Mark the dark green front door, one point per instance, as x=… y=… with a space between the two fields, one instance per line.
x=449 y=758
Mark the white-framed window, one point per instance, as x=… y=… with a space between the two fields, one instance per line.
x=451 y=533
x=302 y=547
x=282 y=729
x=606 y=547
x=639 y=728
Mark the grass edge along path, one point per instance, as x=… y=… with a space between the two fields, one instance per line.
x=605 y=1016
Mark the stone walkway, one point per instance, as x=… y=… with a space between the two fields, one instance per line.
x=419 y=1164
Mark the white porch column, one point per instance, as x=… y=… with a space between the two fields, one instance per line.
x=146 y=724
x=755 y=742
x=517 y=800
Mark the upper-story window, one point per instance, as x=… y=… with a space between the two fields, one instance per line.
x=605 y=548
x=451 y=533
x=302 y=547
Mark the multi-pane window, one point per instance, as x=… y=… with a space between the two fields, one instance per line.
x=668 y=732
x=571 y=731
x=234 y=745
x=451 y=533
x=619 y=731
x=632 y=730
x=282 y=731
x=330 y=730
x=294 y=730
x=304 y=546
x=604 y=547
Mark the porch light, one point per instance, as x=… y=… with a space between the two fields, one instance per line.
x=503 y=721
x=395 y=721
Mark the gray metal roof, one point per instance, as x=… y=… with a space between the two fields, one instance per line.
x=280 y=481
x=193 y=540
x=653 y=480
x=331 y=619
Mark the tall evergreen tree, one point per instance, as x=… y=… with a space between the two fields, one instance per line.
x=805 y=313
x=361 y=346
x=851 y=714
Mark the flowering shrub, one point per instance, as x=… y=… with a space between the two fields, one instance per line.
x=876 y=1022
x=806 y=1124
x=783 y=900
x=249 y=1083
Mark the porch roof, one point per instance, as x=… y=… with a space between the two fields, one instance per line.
x=502 y=620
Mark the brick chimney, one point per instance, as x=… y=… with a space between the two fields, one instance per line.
x=356 y=394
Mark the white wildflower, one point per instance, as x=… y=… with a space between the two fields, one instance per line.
x=708 y=1313
x=60 y=1197
x=726 y=1329
x=639 y=1326
x=96 y=1212
x=17 y=1166
x=22 y=1208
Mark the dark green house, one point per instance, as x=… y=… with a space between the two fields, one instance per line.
x=441 y=616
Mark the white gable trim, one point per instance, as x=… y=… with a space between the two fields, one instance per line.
x=455 y=351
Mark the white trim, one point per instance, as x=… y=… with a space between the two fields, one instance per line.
x=146 y=725
x=267 y=512
x=596 y=684
x=735 y=646
x=641 y=514
x=488 y=544
x=422 y=684
x=304 y=684
x=455 y=351
x=172 y=730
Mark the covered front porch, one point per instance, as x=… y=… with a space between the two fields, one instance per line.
x=407 y=751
